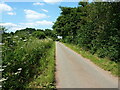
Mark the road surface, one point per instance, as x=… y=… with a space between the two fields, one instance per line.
x=74 y=71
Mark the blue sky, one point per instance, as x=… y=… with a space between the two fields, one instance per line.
x=39 y=15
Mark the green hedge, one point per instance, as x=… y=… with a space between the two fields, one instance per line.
x=22 y=59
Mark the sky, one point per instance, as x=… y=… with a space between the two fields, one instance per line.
x=39 y=15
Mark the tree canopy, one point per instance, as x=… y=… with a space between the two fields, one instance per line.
x=92 y=26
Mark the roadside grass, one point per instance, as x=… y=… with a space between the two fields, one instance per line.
x=104 y=63
x=45 y=79
x=26 y=59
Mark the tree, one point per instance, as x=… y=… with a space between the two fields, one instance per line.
x=39 y=34
x=93 y=26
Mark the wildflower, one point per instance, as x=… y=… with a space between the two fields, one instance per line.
x=3 y=79
x=17 y=72
x=16 y=36
x=4 y=66
x=8 y=37
x=1 y=70
x=24 y=40
x=24 y=62
x=13 y=41
x=19 y=69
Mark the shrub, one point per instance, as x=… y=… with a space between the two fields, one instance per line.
x=39 y=34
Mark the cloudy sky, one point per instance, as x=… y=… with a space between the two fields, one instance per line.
x=19 y=15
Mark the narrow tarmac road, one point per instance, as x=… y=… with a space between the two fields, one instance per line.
x=74 y=71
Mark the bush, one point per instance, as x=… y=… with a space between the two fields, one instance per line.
x=39 y=34
x=22 y=60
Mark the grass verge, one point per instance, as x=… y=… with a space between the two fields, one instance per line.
x=46 y=78
x=104 y=63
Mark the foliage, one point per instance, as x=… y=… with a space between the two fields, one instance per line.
x=38 y=34
x=46 y=79
x=24 y=57
x=50 y=34
x=92 y=26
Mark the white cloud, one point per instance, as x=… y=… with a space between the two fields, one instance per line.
x=52 y=1
x=33 y=15
x=28 y=24
x=37 y=24
x=44 y=10
x=8 y=24
x=5 y=7
x=37 y=3
x=11 y=27
x=11 y=13
x=44 y=22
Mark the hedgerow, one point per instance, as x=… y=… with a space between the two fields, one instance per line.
x=21 y=59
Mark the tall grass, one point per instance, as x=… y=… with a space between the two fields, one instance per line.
x=46 y=79
x=24 y=59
